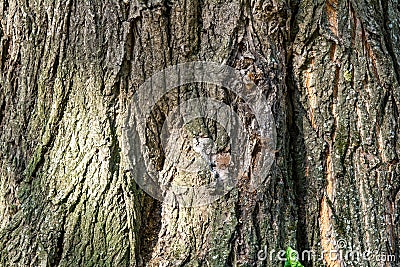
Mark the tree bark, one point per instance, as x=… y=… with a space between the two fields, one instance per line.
x=69 y=71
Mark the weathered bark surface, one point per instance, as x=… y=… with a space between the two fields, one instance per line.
x=69 y=70
x=346 y=76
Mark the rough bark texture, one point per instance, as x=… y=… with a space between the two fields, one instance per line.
x=70 y=68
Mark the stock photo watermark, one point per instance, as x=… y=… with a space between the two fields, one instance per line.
x=343 y=253
x=197 y=168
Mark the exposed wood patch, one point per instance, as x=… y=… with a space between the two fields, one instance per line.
x=332 y=52
x=223 y=160
x=327 y=237
x=355 y=25
x=331 y=11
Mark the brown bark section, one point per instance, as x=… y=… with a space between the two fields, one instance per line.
x=69 y=70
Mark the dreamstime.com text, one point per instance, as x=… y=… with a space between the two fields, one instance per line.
x=342 y=254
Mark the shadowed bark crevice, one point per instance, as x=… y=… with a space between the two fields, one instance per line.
x=149 y=230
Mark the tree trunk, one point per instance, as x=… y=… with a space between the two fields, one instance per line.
x=70 y=70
